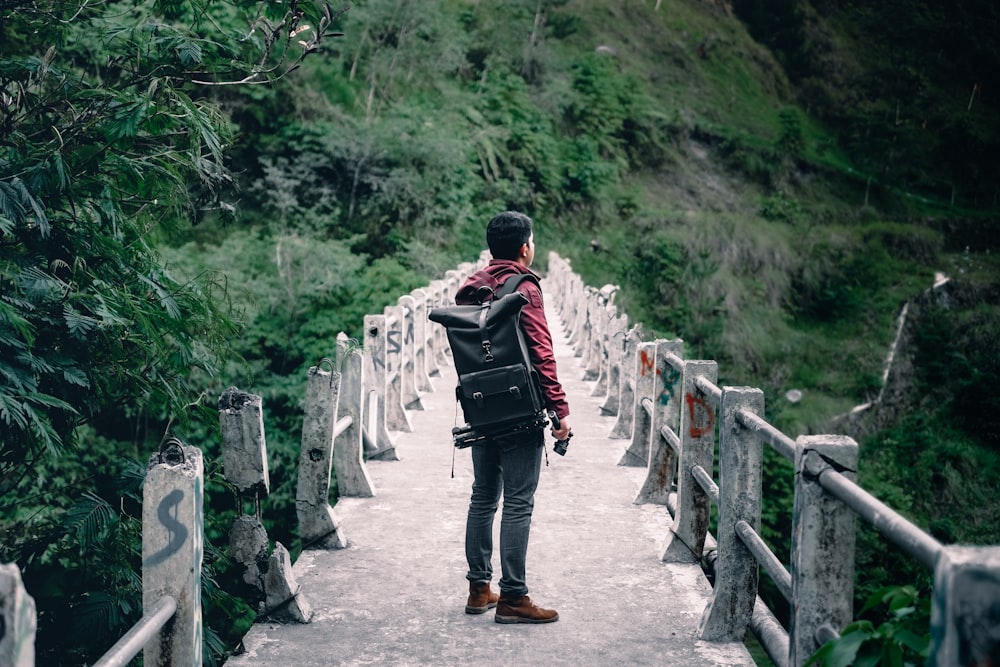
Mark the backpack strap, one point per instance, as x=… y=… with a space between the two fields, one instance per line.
x=511 y=283
x=508 y=287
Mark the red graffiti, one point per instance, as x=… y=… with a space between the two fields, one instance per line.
x=646 y=363
x=701 y=421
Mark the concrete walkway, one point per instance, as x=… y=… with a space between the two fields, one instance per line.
x=396 y=595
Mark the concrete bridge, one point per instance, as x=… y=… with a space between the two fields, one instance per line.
x=620 y=543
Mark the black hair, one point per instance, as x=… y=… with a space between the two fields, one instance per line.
x=506 y=233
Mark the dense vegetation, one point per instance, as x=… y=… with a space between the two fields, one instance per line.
x=196 y=194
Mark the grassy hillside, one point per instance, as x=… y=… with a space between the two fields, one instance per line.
x=769 y=180
x=660 y=147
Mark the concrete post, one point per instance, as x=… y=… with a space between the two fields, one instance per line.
x=348 y=450
x=588 y=344
x=965 y=607
x=685 y=541
x=823 y=532
x=637 y=453
x=18 y=620
x=740 y=471
x=395 y=415
x=409 y=396
x=629 y=375
x=244 y=451
x=602 y=319
x=617 y=330
x=436 y=343
x=318 y=523
x=421 y=376
x=662 y=457
x=172 y=533
x=375 y=383
x=248 y=545
x=578 y=337
x=285 y=601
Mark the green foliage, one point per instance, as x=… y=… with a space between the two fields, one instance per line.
x=961 y=368
x=897 y=637
x=131 y=296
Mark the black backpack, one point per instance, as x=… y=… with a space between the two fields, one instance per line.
x=498 y=386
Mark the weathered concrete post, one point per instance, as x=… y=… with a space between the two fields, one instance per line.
x=375 y=387
x=244 y=452
x=409 y=395
x=578 y=336
x=823 y=532
x=421 y=367
x=617 y=330
x=666 y=413
x=318 y=523
x=965 y=607
x=395 y=415
x=740 y=471
x=244 y=460
x=605 y=314
x=637 y=453
x=18 y=620
x=627 y=392
x=348 y=448
x=685 y=541
x=437 y=342
x=172 y=530
x=588 y=344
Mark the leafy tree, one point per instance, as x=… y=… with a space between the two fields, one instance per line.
x=108 y=138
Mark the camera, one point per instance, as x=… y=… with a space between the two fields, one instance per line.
x=560 y=445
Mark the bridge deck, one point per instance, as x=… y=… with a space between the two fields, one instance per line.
x=396 y=595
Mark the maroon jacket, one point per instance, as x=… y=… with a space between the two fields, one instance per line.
x=533 y=322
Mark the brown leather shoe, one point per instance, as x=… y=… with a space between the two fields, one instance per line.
x=520 y=609
x=481 y=598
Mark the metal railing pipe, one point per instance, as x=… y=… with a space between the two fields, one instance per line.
x=774 y=567
x=671 y=439
x=647 y=405
x=769 y=434
x=342 y=425
x=706 y=483
x=825 y=633
x=907 y=536
x=708 y=388
x=135 y=639
x=770 y=633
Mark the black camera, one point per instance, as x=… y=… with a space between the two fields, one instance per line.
x=560 y=445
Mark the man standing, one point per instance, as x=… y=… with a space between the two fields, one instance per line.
x=510 y=465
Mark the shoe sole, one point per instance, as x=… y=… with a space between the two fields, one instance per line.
x=522 y=619
x=479 y=610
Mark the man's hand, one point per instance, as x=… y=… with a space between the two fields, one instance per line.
x=562 y=432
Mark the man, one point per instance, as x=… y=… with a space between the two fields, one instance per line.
x=510 y=465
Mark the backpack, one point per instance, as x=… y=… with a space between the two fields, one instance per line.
x=498 y=386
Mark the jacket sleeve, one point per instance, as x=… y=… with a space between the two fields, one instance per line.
x=536 y=330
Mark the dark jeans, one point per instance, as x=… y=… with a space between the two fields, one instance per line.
x=511 y=468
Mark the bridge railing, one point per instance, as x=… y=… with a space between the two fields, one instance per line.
x=668 y=408
x=351 y=404
x=671 y=408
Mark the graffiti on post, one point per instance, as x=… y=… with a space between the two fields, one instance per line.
x=646 y=363
x=669 y=384
x=178 y=532
x=701 y=416
x=392 y=341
